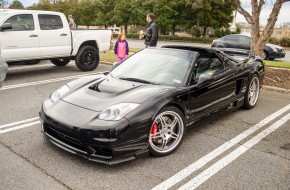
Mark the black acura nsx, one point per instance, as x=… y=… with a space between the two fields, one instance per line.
x=146 y=103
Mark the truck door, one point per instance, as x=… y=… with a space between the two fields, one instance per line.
x=22 y=41
x=55 y=39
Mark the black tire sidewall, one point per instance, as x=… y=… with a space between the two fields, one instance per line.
x=57 y=62
x=176 y=110
x=80 y=55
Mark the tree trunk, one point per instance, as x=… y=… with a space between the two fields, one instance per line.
x=204 y=31
x=173 y=30
x=126 y=29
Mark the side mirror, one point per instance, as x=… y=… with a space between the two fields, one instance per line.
x=204 y=79
x=6 y=26
x=115 y=64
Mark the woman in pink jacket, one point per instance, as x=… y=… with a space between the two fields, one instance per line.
x=121 y=48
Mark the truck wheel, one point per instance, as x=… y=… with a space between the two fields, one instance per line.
x=60 y=61
x=87 y=58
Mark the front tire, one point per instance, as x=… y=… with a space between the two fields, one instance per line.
x=87 y=58
x=265 y=55
x=166 y=132
x=60 y=61
x=252 y=93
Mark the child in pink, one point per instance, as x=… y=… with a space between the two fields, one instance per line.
x=121 y=48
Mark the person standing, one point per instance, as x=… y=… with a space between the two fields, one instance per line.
x=71 y=22
x=151 y=36
x=121 y=48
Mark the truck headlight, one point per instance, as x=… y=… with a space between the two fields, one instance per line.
x=59 y=93
x=116 y=112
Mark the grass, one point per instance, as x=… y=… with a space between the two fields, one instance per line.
x=275 y=63
x=110 y=57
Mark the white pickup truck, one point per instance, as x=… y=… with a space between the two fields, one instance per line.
x=31 y=36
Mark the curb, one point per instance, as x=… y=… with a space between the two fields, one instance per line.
x=272 y=88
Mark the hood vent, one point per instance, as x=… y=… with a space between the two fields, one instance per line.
x=95 y=87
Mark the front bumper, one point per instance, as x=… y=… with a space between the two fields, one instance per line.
x=276 y=54
x=3 y=71
x=103 y=142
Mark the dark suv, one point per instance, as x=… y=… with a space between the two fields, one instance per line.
x=238 y=41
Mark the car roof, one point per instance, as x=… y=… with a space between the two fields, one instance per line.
x=25 y=11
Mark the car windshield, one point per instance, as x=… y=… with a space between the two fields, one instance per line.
x=156 y=66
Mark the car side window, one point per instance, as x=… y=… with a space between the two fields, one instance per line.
x=50 y=22
x=21 y=22
x=232 y=39
x=244 y=40
x=208 y=66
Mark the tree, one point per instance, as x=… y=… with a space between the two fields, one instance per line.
x=259 y=39
x=105 y=15
x=16 y=5
x=213 y=13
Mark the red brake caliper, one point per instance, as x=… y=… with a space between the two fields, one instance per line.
x=153 y=131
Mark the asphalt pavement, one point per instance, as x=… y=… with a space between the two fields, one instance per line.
x=246 y=149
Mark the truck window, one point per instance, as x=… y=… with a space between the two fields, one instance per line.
x=21 y=22
x=49 y=22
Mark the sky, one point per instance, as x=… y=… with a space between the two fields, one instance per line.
x=267 y=8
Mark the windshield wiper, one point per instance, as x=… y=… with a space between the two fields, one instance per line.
x=137 y=80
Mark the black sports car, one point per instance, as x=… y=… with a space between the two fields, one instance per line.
x=146 y=103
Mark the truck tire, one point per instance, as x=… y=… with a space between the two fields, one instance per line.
x=63 y=61
x=87 y=58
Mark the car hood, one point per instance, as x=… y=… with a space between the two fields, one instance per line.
x=273 y=45
x=109 y=91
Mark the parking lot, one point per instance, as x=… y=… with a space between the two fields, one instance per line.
x=246 y=149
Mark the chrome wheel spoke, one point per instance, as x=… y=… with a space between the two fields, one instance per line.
x=164 y=143
x=174 y=135
x=162 y=121
x=156 y=135
x=173 y=123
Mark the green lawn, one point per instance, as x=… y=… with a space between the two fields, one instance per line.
x=110 y=57
x=277 y=63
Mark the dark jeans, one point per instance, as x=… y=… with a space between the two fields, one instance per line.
x=146 y=46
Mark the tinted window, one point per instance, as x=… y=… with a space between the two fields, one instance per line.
x=232 y=38
x=49 y=22
x=244 y=40
x=209 y=66
x=161 y=66
x=21 y=22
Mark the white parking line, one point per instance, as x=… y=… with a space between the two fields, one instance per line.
x=19 y=125
x=218 y=151
x=19 y=122
x=43 y=81
x=205 y=175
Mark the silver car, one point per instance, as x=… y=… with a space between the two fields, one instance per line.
x=3 y=70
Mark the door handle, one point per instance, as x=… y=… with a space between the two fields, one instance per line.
x=33 y=35
x=63 y=34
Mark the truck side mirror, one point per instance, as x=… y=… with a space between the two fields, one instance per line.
x=6 y=26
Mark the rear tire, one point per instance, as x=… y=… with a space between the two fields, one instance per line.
x=167 y=132
x=87 y=58
x=252 y=93
x=60 y=61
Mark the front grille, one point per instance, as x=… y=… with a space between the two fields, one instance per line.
x=76 y=143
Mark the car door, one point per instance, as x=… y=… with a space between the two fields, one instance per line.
x=232 y=41
x=244 y=42
x=22 y=41
x=55 y=39
x=214 y=94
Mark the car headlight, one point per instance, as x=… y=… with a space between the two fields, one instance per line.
x=116 y=112
x=59 y=93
